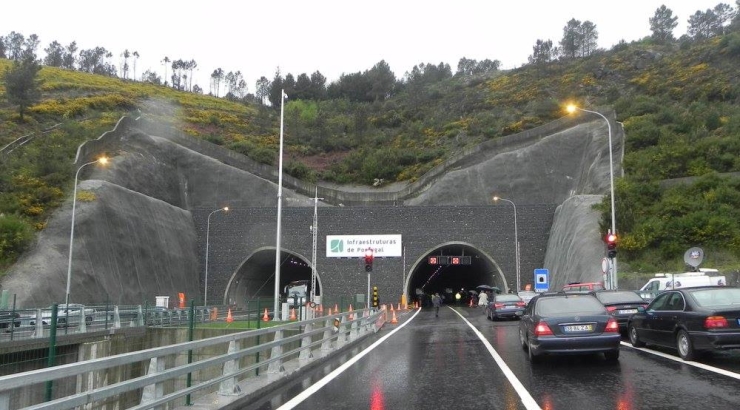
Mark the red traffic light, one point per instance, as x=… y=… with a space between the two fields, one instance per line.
x=611 y=245
x=368 y=260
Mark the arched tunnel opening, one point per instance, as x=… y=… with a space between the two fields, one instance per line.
x=450 y=268
x=255 y=278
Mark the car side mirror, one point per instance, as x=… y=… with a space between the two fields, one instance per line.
x=640 y=309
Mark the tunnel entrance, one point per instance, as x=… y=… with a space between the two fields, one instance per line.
x=255 y=277
x=449 y=275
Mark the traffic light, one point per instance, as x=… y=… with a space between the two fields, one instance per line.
x=376 y=299
x=611 y=245
x=369 y=260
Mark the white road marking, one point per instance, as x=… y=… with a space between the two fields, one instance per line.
x=690 y=363
x=523 y=393
x=339 y=370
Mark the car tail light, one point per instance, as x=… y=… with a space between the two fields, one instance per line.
x=521 y=304
x=715 y=322
x=542 y=329
x=498 y=305
x=611 y=308
x=612 y=326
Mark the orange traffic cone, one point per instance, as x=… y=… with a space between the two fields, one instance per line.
x=399 y=305
x=471 y=303
x=265 y=317
x=336 y=308
x=292 y=314
x=393 y=318
x=229 y=318
x=351 y=315
x=329 y=312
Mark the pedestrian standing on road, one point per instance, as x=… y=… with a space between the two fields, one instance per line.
x=483 y=299
x=436 y=302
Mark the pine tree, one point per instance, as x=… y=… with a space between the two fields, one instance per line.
x=22 y=85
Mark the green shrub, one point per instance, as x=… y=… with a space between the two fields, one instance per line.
x=16 y=235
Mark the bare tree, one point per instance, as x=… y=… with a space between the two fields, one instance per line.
x=136 y=57
x=166 y=60
x=262 y=88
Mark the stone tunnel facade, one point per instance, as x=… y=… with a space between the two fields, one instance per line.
x=234 y=236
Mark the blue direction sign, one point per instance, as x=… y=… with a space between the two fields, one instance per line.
x=541 y=280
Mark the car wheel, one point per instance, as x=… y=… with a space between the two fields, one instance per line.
x=684 y=345
x=634 y=339
x=533 y=358
x=612 y=355
x=522 y=340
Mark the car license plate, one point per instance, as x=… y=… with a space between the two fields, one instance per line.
x=578 y=328
x=627 y=311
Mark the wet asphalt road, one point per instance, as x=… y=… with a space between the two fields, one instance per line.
x=441 y=363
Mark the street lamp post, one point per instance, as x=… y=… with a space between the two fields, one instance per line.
x=102 y=160
x=276 y=303
x=208 y=233
x=572 y=108
x=516 y=242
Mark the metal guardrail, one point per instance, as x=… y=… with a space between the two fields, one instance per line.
x=173 y=378
x=37 y=323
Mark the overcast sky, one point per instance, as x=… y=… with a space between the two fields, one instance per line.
x=331 y=36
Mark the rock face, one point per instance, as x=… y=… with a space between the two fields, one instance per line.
x=135 y=237
x=572 y=240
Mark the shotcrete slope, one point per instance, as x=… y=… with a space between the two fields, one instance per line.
x=136 y=239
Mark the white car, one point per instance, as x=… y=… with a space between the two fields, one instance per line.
x=69 y=312
x=527 y=295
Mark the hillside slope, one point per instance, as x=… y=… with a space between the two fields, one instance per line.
x=135 y=238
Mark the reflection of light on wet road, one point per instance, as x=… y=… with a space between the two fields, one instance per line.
x=377 y=400
x=547 y=402
x=626 y=398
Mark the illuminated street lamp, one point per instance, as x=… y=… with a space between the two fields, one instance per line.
x=516 y=241
x=571 y=109
x=103 y=161
x=208 y=232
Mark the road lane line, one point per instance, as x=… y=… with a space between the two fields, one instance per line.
x=522 y=391
x=339 y=370
x=690 y=363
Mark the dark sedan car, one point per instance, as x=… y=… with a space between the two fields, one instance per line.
x=505 y=306
x=690 y=320
x=567 y=323
x=621 y=304
x=9 y=319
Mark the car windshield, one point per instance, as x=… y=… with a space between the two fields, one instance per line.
x=717 y=297
x=557 y=306
x=506 y=298
x=619 y=297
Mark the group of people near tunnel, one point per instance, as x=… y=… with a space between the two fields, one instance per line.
x=461 y=298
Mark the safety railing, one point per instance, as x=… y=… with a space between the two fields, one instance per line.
x=20 y=324
x=229 y=367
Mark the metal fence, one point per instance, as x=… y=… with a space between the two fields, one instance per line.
x=225 y=368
